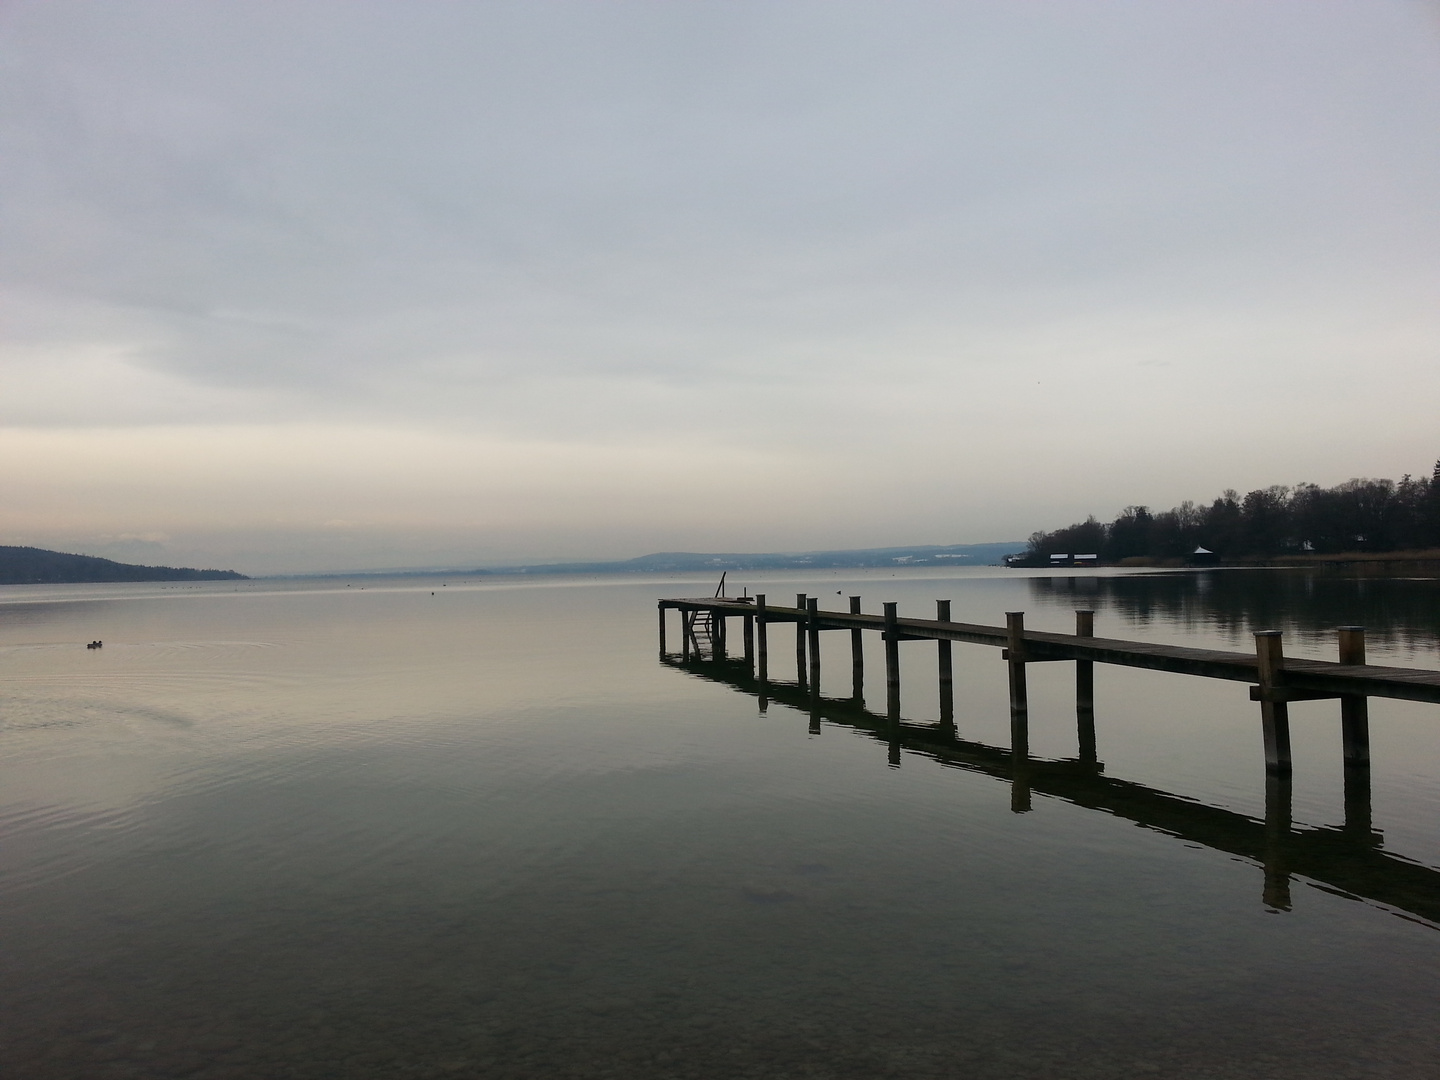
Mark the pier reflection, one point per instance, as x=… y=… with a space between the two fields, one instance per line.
x=1347 y=860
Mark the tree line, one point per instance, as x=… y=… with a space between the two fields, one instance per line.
x=1359 y=515
x=37 y=566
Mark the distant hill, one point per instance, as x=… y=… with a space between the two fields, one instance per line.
x=687 y=561
x=672 y=562
x=36 y=566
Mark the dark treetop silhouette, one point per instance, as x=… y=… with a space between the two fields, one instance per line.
x=36 y=566
x=1356 y=516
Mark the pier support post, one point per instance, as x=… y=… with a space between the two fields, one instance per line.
x=1355 y=736
x=763 y=642
x=1278 y=800
x=1085 y=692
x=800 y=680
x=1274 y=714
x=812 y=628
x=717 y=636
x=1019 y=703
x=749 y=631
x=661 y=607
x=686 y=633
x=857 y=658
x=945 y=663
x=892 y=665
x=1354 y=708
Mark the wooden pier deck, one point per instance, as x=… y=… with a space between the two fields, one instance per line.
x=1301 y=678
x=1347 y=859
x=1276 y=680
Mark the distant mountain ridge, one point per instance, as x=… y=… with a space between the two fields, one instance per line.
x=990 y=554
x=672 y=561
x=36 y=566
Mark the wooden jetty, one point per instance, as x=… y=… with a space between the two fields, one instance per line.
x=1347 y=860
x=1276 y=679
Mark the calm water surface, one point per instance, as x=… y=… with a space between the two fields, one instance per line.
x=394 y=829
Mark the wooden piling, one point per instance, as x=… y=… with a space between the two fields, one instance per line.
x=945 y=664
x=800 y=679
x=763 y=641
x=717 y=636
x=812 y=633
x=661 y=607
x=892 y=664
x=748 y=624
x=1274 y=711
x=857 y=657
x=1019 y=703
x=1085 y=692
x=1020 y=802
x=686 y=634
x=1355 y=741
x=1354 y=708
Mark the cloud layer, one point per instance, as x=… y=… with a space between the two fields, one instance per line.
x=520 y=280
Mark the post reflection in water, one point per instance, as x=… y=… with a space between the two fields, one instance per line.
x=1348 y=860
x=1278 y=802
x=1358 y=823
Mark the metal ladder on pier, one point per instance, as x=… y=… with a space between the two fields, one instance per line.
x=700 y=627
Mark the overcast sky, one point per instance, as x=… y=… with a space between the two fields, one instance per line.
x=339 y=285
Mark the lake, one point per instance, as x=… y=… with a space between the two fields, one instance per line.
x=464 y=827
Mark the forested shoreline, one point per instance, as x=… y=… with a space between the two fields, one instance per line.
x=37 y=566
x=1362 y=516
